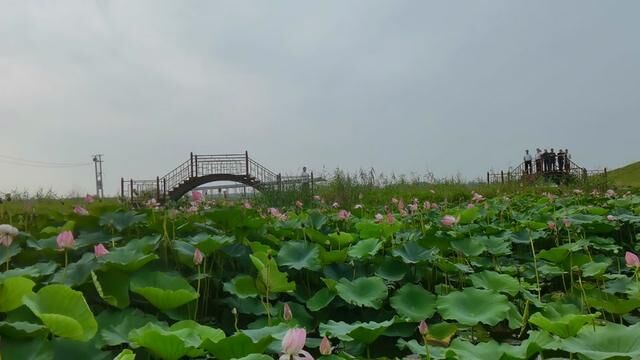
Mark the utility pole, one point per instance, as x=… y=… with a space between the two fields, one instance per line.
x=97 y=161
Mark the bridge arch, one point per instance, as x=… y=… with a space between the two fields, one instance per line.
x=194 y=182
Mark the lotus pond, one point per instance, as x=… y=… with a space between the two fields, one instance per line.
x=533 y=276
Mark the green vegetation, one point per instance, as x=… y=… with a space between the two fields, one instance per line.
x=491 y=277
x=626 y=176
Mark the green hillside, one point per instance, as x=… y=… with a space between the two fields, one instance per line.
x=626 y=176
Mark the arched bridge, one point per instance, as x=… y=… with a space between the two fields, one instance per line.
x=202 y=169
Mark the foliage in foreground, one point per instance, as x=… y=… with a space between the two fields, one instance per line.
x=498 y=279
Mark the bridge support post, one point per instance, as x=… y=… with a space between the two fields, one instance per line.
x=502 y=176
x=164 y=189
x=122 y=188
x=312 y=190
x=158 y=188
x=279 y=182
x=246 y=163
x=191 y=164
x=196 y=165
x=131 y=189
x=488 y=180
x=605 y=177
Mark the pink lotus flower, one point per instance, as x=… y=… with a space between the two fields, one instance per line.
x=65 y=240
x=577 y=191
x=401 y=205
x=595 y=192
x=394 y=201
x=286 y=312
x=413 y=208
x=88 y=199
x=434 y=206
x=390 y=218
x=449 y=220
x=426 y=205
x=152 y=203
x=247 y=205
x=379 y=217
x=611 y=218
x=292 y=345
x=470 y=206
x=317 y=197
x=611 y=193
x=551 y=225
x=403 y=212
x=198 y=257
x=274 y=212
x=343 y=214
x=79 y=210
x=566 y=222
x=99 y=250
x=335 y=205
x=325 y=346
x=7 y=234
x=196 y=196
x=299 y=204
x=423 y=328
x=632 y=260
x=477 y=197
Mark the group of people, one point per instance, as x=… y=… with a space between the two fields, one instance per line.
x=547 y=161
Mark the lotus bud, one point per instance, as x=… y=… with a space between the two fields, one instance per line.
x=7 y=234
x=423 y=328
x=79 y=210
x=286 y=313
x=65 y=240
x=632 y=260
x=88 y=199
x=551 y=225
x=611 y=218
x=449 y=221
x=299 y=204
x=198 y=257
x=99 y=250
x=325 y=346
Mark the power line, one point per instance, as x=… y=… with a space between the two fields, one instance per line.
x=38 y=164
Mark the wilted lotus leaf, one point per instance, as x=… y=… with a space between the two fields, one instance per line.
x=414 y=303
x=494 y=281
x=64 y=311
x=12 y=290
x=364 y=291
x=472 y=306
x=164 y=291
x=612 y=341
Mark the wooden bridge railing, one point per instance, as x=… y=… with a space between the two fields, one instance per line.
x=518 y=174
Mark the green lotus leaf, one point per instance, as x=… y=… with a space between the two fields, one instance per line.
x=125 y=354
x=6 y=253
x=64 y=311
x=33 y=272
x=333 y=256
x=463 y=349
x=113 y=287
x=276 y=332
x=165 y=291
x=270 y=279
x=316 y=219
x=414 y=303
x=412 y=253
x=242 y=286
x=441 y=333
x=473 y=246
x=115 y=325
x=300 y=255
x=612 y=341
x=364 y=291
x=341 y=239
x=236 y=346
x=365 y=248
x=21 y=329
x=472 y=306
x=469 y=215
x=418 y=349
x=92 y=238
x=77 y=273
x=317 y=237
x=595 y=268
x=494 y=281
x=256 y=357
x=555 y=255
x=392 y=269
x=12 y=290
x=203 y=332
x=534 y=344
x=497 y=245
x=613 y=304
x=564 y=320
x=165 y=343
x=69 y=349
x=321 y=299
x=208 y=244
x=365 y=333
x=121 y=220
x=134 y=255
x=370 y=230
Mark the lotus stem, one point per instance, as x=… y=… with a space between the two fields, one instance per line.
x=535 y=266
x=195 y=313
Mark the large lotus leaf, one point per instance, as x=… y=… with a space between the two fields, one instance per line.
x=341 y=239
x=534 y=344
x=370 y=230
x=441 y=333
x=115 y=325
x=555 y=255
x=236 y=346
x=203 y=332
x=208 y=243
x=472 y=306
x=256 y=357
x=365 y=248
x=92 y=238
x=164 y=291
x=20 y=329
x=270 y=280
x=496 y=282
x=414 y=303
x=242 y=286
x=364 y=291
x=595 y=268
x=333 y=256
x=411 y=253
x=165 y=343
x=418 y=349
x=121 y=220
x=316 y=219
x=321 y=299
x=77 y=273
x=365 y=333
x=613 y=304
x=6 y=253
x=473 y=246
x=463 y=349
x=64 y=311
x=64 y=349
x=564 y=320
x=128 y=260
x=497 y=245
x=612 y=341
x=112 y=286
x=300 y=255
x=34 y=271
x=12 y=290
x=317 y=237
x=36 y=349
x=125 y=354
x=392 y=269
x=276 y=332
x=469 y=215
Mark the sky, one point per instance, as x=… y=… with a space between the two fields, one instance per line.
x=447 y=87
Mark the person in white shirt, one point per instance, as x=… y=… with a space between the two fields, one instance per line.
x=538 y=159
x=527 y=162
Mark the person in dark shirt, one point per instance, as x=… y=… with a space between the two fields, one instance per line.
x=538 y=160
x=552 y=160
x=560 y=160
x=545 y=160
x=567 y=160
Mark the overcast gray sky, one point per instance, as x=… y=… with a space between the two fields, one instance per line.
x=405 y=86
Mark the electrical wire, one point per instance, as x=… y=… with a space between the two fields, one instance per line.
x=39 y=164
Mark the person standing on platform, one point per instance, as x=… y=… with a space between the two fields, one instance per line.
x=538 y=160
x=560 y=160
x=527 y=162
x=545 y=160
x=567 y=160
x=552 y=160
